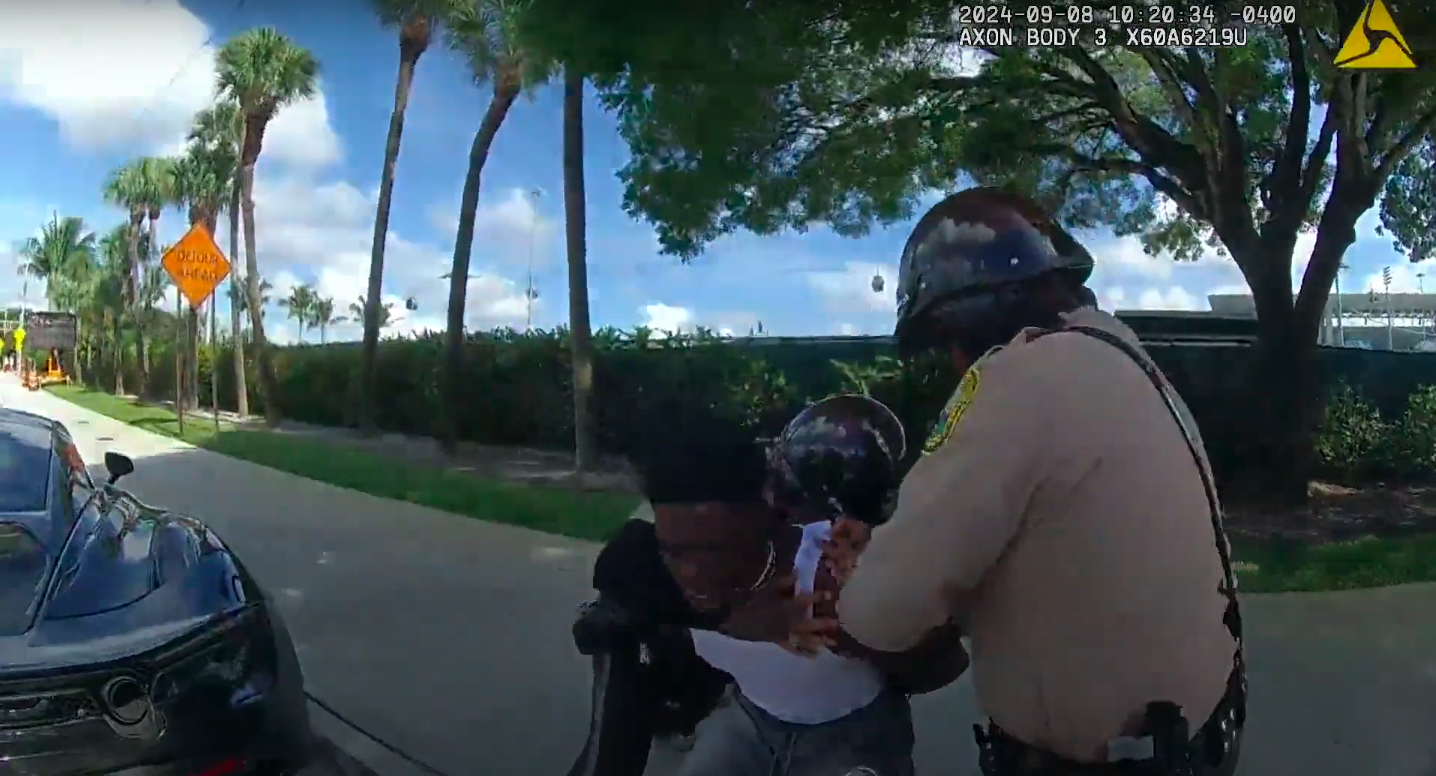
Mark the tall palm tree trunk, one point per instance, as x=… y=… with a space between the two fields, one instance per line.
x=241 y=391
x=268 y=381
x=506 y=90
x=210 y=221
x=411 y=46
x=151 y=257
x=575 y=226
x=136 y=318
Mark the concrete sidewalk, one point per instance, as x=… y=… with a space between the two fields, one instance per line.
x=449 y=637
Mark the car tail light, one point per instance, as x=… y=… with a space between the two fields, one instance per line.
x=222 y=768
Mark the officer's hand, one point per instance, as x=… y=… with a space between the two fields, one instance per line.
x=811 y=635
x=776 y=614
x=840 y=552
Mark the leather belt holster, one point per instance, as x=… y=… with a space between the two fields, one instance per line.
x=1173 y=751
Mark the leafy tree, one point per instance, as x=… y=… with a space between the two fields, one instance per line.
x=485 y=32
x=1408 y=210
x=777 y=116
x=262 y=71
x=416 y=21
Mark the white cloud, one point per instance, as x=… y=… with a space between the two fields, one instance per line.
x=131 y=74
x=851 y=288
x=1170 y=298
x=846 y=329
x=1406 y=278
x=322 y=234
x=301 y=135
x=511 y=222
x=1111 y=298
x=666 y=319
x=732 y=323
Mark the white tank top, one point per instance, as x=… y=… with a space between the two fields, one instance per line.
x=804 y=690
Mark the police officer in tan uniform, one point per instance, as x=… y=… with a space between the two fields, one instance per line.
x=1063 y=514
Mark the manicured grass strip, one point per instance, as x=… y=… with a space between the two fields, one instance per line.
x=579 y=514
x=1271 y=567
x=1263 y=566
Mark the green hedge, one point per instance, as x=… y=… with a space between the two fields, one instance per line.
x=517 y=390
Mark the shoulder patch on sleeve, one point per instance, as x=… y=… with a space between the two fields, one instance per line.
x=952 y=413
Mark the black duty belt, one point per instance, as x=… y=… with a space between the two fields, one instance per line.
x=1174 y=753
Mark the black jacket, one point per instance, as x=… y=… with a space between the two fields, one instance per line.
x=647 y=679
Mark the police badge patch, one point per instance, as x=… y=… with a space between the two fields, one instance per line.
x=952 y=413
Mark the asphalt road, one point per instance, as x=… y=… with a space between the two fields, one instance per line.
x=448 y=637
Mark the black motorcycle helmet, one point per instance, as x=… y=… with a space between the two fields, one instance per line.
x=839 y=457
x=970 y=265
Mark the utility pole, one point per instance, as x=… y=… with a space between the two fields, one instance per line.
x=1340 y=331
x=1390 y=321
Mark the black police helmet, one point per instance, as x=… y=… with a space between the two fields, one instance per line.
x=838 y=458
x=966 y=262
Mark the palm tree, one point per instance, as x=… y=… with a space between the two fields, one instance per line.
x=416 y=21
x=323 y=316
x=386 y=312
x=575 y=226
x=106 y=307
x=201 y=182
x=263 y=71
x=61 y=256
x=125 y=189
x=486 y=33
x=240 y=299
x=300 y=304
x=220 y=130
x=64 y=257
x=152 y=182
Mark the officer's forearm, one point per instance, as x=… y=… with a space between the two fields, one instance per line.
x=937 y=660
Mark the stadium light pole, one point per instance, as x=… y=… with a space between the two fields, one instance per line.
x=1340 y=330
x=1390 y=322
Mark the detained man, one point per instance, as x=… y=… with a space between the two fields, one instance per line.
x=743 y=574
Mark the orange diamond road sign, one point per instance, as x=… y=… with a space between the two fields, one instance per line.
x=196 y=265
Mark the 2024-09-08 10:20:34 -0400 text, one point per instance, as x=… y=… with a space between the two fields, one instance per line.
x=997 y=26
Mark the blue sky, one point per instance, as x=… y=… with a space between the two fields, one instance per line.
x=86 y=84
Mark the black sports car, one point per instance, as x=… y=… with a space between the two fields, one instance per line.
x=132 y=640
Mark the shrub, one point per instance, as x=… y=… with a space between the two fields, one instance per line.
x=516 y=391
x=1350 y=440
x=1414 y=436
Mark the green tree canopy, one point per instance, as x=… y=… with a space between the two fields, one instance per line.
x=773 y=116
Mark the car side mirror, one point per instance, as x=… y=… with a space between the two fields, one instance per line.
x=118 y=465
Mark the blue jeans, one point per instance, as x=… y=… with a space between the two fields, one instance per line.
x=740 y=739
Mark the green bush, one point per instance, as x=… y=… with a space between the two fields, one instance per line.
x=516 y=391
x=1352 y=438
x=1355 y=443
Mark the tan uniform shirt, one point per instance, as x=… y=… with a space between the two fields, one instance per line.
x=1066 y=515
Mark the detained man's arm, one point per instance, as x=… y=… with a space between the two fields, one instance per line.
x=956 y=512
